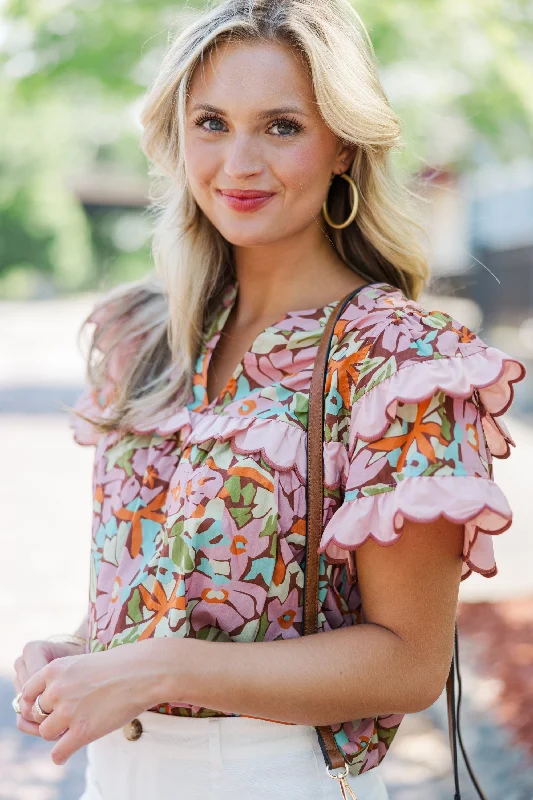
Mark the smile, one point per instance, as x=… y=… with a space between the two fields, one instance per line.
x=245 y=200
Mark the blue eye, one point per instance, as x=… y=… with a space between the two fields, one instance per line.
x=291 y=127
x=210 y=118
x=286 y=127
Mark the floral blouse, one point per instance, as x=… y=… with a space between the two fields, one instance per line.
x=200 y=520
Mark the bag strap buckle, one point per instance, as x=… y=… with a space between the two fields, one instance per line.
x=347 y=792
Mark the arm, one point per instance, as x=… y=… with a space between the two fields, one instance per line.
x=396 y=662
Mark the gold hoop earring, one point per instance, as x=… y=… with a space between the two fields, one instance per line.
x=355 y=206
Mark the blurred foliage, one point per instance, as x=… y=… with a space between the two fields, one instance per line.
x=458 y=73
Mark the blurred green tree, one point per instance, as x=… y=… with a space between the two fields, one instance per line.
x=458 y=72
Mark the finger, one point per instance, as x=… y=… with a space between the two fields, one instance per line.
x=26 y=726
x=20 y=680
x=34 y=686
x=46 y=706
x=70 y=743
x=21 y=673
x=53 y=727
x=36 y=656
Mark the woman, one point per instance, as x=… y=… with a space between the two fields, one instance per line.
x=198 y=410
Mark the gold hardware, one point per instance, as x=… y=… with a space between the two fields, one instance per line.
x=346 y=791
x=355 y=205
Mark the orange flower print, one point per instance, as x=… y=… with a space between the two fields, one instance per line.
x=418 y=432
x=214 y=595
x=247 y=407
x=151 y=476
x=136 y=517
x=157 y=601
x=347 y=371
x=238 y=545
x=465 y=334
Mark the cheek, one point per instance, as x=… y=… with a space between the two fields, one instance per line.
x=306 y=172
x=200 y=165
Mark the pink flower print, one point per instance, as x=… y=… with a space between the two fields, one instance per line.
x=240 y=545
x=130 y=490
x=472 y=445
x=108 y=492
x=282 y=617
x=166 y=464
x=261 y=369
x=156 y=474
x=109 y=599
x=227 y=605
x=191 y=486
x=447 y=343
x=139 y=461
x=364 y=468
x=397 y=331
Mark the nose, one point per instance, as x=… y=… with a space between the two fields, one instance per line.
x=243 y=158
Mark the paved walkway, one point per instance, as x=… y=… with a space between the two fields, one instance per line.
x=45 y=480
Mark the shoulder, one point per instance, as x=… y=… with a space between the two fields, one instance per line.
x=381 y=326
x=388 y=349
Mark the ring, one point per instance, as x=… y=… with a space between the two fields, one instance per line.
x=15 y=703
x=37 y=710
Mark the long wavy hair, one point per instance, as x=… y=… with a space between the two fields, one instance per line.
x=149 y=332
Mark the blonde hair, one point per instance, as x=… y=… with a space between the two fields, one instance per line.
x=164 y=316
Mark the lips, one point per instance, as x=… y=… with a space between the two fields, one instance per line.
x=245 y=194
x=245 y=199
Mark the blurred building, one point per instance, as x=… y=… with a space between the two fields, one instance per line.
x=481 y=228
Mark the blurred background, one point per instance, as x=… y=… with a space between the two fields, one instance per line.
x=73 y=222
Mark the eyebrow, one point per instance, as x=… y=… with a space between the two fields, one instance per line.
x=272 y=112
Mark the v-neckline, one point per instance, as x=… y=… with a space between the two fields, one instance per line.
x=229 y=297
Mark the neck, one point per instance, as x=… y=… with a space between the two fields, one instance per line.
x=293 y=274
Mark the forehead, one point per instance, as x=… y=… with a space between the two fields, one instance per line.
x=252 y=75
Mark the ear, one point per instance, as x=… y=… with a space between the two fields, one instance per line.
x=344 y=158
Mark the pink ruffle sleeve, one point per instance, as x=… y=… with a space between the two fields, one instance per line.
x=421 y=446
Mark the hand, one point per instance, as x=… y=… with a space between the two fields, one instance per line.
x=93 y=694
x=35 y=655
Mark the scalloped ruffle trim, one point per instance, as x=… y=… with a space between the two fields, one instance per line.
x=478 y=503
x=490 y=371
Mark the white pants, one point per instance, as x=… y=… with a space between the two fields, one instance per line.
x=218 y=758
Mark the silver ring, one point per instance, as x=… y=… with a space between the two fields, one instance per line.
x=37 y=710
x=15 y=703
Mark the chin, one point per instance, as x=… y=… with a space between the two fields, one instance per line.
x=251 y=238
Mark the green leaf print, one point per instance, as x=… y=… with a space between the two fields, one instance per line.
x=241 y=516
x=248 y=493
x=122 y=452
x=270 y=526
x=301 y=409
x=181 y=555
x=385 y=371
x=445 y=423
x=263 y=626
x=233 y=485
x=369 y=364
x=130 y=637
x=134 y=611
x=431 y=469
x=379 y=488
x=437 y=320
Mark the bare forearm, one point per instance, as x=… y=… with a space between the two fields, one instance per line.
x=352 y=673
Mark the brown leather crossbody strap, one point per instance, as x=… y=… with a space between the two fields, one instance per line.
x=315 y=509
x=315 y=497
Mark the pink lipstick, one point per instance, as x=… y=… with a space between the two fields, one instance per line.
x=245 y=199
